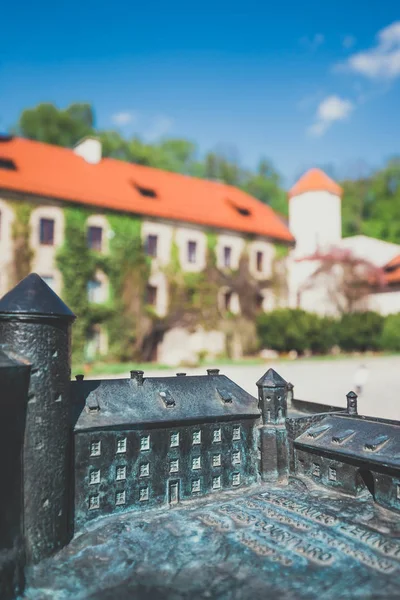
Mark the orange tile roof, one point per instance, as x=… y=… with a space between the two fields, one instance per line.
x=392 y=271
x=51 y=171
x=315 y=180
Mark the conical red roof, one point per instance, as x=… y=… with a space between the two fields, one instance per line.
x=315 y=180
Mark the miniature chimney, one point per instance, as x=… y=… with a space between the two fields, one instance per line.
x=137 y=376
x=212 y=371
x=352 y=403
x=90 y=149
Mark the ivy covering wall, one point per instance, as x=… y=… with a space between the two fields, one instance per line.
x=133 y=327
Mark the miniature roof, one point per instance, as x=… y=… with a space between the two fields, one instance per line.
x=160 y=400
x=271 y=379
x=54 y=172
x=315 y=180
x=32 y=296
x=361 y=439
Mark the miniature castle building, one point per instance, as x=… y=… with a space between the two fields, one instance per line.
x=35 y=324
x=273 y=445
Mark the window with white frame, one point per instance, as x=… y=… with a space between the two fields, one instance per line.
x=196 y=485
x=216 y=482
x=145 y=442
x=260 y=261
x=236 y=432
x=144 y=470
x=196 y=462
x=174 y=439
x=174 y=465
x=236 y=457
x=120 y=473
x=227 y=257
x=191 y=251
x=216 y=460
x=143 y=494
x=121 y=445
x=120 y=498
x=332 y=473
x=235 y=478
x=196 y=437
x=94 y=501
x=94 y=238
x=94 y=476
x=217 y=435
x=95 y=448
x=316 y=470
x=46 y=232
x=151 y=245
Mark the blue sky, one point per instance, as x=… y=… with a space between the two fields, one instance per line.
x=302 y=83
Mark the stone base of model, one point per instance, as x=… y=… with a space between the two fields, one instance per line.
x=267 y=542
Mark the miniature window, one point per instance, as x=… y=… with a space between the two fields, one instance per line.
x=216 y=483
x=236 y=479
x=151 y=245
x=143 y=494
x=196 y=485
x=227 y=256
x=95 y=448
x=259 y=261
x=332 y=474
x=144 y=470
x=145 y=442
x=94 y=238
x=196 y=437
x=47 y=232
x=236 y=457
x=236 y=433
x=94 y=476
x=217 y=435
x=121 y=445
x=174 y=439
x=174 y=466
x=121 y=473
x=120 y=498
x=192 y=252
x=94 y=501
x=316 y=470
x=216 y=460
x=398 y=491
x=196 y=462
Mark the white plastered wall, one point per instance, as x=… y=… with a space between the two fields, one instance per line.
x=386 y=303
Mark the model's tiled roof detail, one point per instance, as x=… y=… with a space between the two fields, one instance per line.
x=50 y=171
x=32 y=296
x=160 y=400
x=315 y=180
x=370 y=440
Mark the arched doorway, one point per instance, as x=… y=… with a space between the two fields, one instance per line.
x=367 y=480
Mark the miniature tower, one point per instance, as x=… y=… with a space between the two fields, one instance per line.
x=273 y=445
x=36 y=324
x=14 y=382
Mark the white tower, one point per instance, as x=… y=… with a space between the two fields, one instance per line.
x=315 y=220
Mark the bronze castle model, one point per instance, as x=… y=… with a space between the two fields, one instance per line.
x=74 y=452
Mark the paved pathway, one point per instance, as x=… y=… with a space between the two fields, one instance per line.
x=326 y=381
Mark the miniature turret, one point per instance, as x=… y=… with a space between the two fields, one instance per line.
x=273 y=446
x=14 y=382
x=352 y=403
x=36 y=324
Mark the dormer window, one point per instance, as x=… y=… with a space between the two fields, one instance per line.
x=145 y=191
x=46 y=233
x=7 y=164
x=167 y=399
x=95 y=238
x=192 y=252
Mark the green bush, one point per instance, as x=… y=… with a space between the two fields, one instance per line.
x=288 y=329
x=360 y=331
x=390 y=337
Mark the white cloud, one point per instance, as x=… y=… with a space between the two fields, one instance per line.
x=348 y=41
x=123 y=118
x=314 y=42
x=331 y=109
x=381 y=61
x=160 y=126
